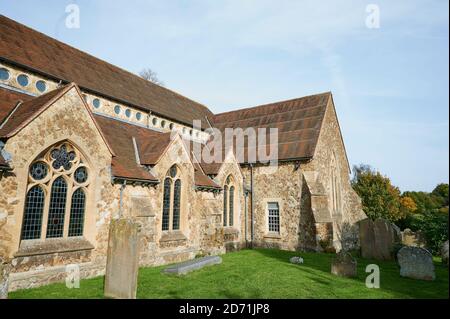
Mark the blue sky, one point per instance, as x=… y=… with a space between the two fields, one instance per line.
x=390 y=85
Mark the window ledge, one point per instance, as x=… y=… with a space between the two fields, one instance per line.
x=172 y=236
x=272 y=236
x=230 y=230
x=51 y=246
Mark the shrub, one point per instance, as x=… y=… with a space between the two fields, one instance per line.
x=434 y=226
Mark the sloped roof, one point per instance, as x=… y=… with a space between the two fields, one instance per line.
x=120 y=136
x=9 y=100
x=45 y=55
x=24 y=111
x=298 y=122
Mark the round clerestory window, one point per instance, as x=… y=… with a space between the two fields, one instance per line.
x=4 y=74
x=23 y=80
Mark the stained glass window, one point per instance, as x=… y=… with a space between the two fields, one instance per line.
x=176 y=205
x=225 y=204
x=39 y=171
x=77 y=213
x=34 y=207
x=4 y=74
x=57 y=209
x=166 y=204
x=53 y=172
x=81 y=175
x=231 y=213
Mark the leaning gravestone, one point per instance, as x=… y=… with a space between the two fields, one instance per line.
x=416 y=263
x=122 y=260
x=344 y=265
x=444 y=253
x=378 y=239
x=5 y=268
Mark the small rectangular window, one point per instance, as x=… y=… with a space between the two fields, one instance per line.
x=274 y=217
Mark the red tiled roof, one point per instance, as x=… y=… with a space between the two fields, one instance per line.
x=27 y=110
x=9 y=100
x=120 y=136
x=298 y=122
x=27 y=47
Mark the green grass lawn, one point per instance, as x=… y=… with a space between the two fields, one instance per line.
x=262 y=273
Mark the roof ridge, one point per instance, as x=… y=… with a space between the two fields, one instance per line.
x=271 y=104
x=107 y=64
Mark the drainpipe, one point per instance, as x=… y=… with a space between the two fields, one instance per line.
x=244 y=187
x=122 y=188
x=252 y=203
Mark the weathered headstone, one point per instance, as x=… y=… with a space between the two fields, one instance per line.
x=5 y=268
x=444 y=253
x=378 y=239
x=416 y=263
x=296 y=260
x=122 y=260
x=191 y=265
x=344 y=265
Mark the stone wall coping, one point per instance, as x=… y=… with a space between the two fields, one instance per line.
x=172 y=236
x=51 y=246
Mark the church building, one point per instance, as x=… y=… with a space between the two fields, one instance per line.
x=83 y=142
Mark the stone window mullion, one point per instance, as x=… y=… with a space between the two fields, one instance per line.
x=47 y=189
x=68 y=206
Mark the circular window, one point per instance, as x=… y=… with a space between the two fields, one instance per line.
x=96 y=103
x=190 y=132
x=128 y=112
x=4 y=74
x=171 y=126
x=81 y=175
x=117 y=109
x=163 y=123
x=41 y=86
x=138 y=116
x=23 y=80
x=39 y=171
x=155 y=121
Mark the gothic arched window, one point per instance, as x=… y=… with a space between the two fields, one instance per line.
x=61 y=175
x=172 y=200
x=228 y=202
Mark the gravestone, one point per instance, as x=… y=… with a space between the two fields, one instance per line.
x=444 y=253
x=5 y=268
x=122 y=260
x=378 y=239
x=416 y=263
x=344 y=265
x=296 y=260
x=191 y=265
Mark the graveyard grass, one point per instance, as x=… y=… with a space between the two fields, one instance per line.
x=262 y=273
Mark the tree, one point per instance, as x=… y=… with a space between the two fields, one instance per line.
x=151 y=76
x=441 y=192
x=380 y=199
x=407 y=206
